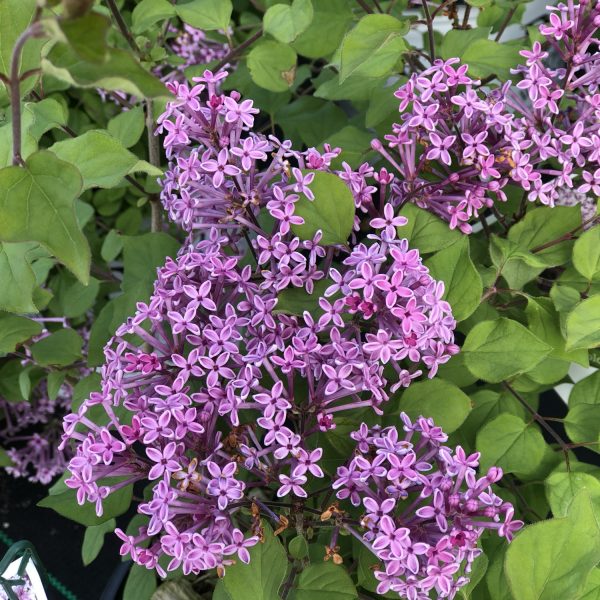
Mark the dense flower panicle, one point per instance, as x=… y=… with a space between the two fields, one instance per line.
x=458 y=144
x=424 y=507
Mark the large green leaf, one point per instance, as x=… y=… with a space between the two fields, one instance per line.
x=487 y=57
x=500 y=349
x=17 y=279
x=510 y=443
x=127 y=126
x=563 y=487
x=140 y=584
x=261 y=579
x=101 y=159
x=148 y=12
x=441 y=400
x=205 y=14
x=285 y=23
x=326 y=31
x=583 y=324
x=119 y=72
x=425 y=231
x=61 y=348
x=15 y=330
x=324 y=581
x=36 y=204
x=552 y=559
x=272 y=65
x=331 y=211
x=463 y=286
x=373 y=47
x=586 y=253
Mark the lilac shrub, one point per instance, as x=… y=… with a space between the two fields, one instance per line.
x=460 y=143
x=217 y=393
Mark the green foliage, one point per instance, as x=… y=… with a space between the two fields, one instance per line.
x=264 y=575
x=331 y=211
x=552 y=559
x=425 y=231
x=141 y=583
x=205 y=14
x=272 y=65
x=286 y=23
x=324 y=581
x=15 y=330
x=93 y=540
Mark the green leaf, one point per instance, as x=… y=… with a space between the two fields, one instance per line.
x=127 y=126
x=542 y=225
x=373 y=47
x=298 y=547
x=582 y=425
x=583 y=324
x=71 y=298
x=111 y=246
x=65 y=504
x=586 y=253
x=101 y=159
x=272 y=65
x=294 y=301
x=425 y=231
x=332 y=210
x=36 y=204
x=591 y=591
x=562 y=488
x=148 y=12
x=355 y=144
x=516 y=264
x=17 y=279
x=86 y=36
x=510 y=443
x=15 y=330
x=324 y=581
x=61 y=348
x=476 y=574
x=55 y=380
x=119 y=72
x=261 y=579
x=5 y=461
x=552 y=559
x=93 y=540
x=463 y=286
x=327 y=29
x=445 y=403
x=205 y=14
x=140 y=584
x=586 y=391
x=500 y=349
x=285 y=23
x=487 y=57
x=457 y=41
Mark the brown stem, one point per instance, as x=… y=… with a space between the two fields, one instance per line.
x=34 y=30
x=235 y=51
x=466 y=16
x=505 y=23
x=118 y=17
x=567 y=236
x=365 y=6
x=563 y=445
x=429 y=31
x=441 y=7
x=289 y=582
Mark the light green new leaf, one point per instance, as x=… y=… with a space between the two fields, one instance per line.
x=148 y=12
x=373 y=47
x=324 y=581
x=261 y=579
x=101 y=159
x=93 y=540
x=510 y=443
x=15 y=330
x=586 y=253
x=61 y=348
x=285 y=23
x=462 y=282
x=205 y=14
x=552 y=559
x=563 y=487
x=425 y=231
x=500 y=349
x=272 y=65
x=441 y=400
x=332 y=210
x=457 y=41
x=583 y=324
x=586 y=391
x=37 y=204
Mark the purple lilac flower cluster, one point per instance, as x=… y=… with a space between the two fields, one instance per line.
x=425 y=507
x=459 y=144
